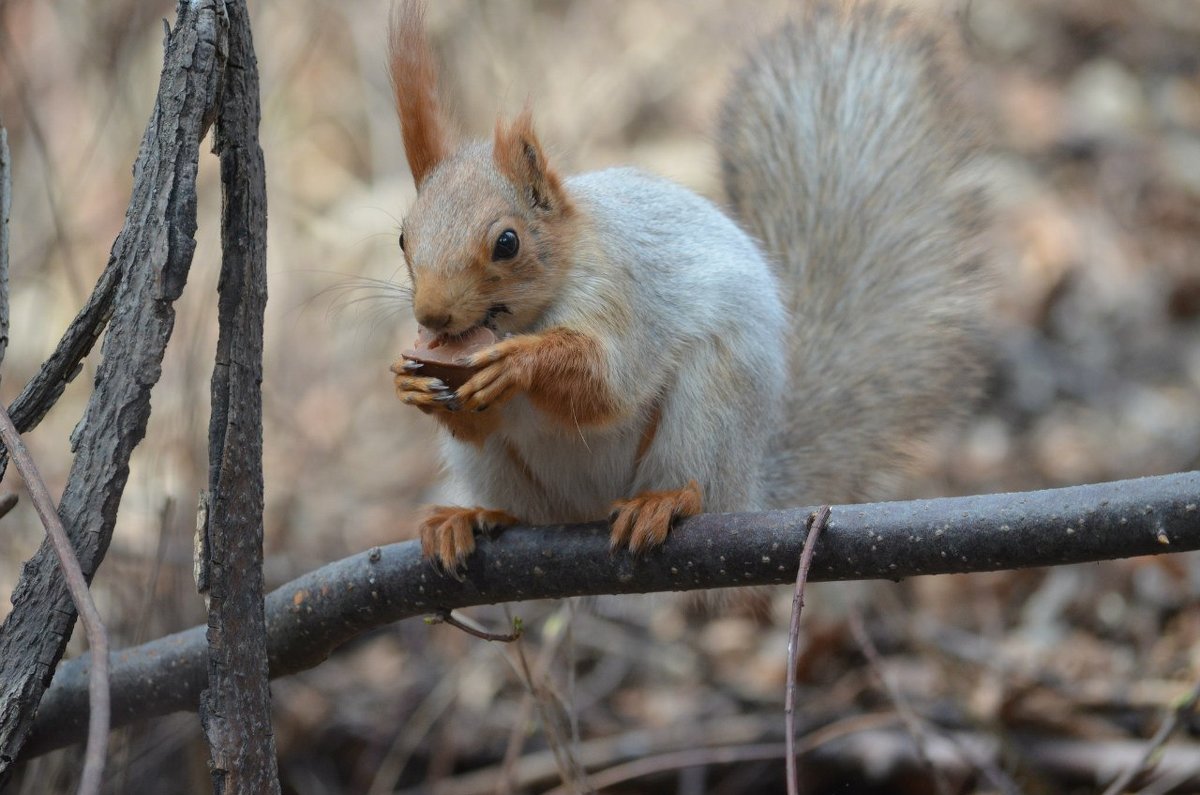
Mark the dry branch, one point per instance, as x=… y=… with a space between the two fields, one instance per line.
x=98 y=696
x=913 y=724
x=148 y=269
x=1084 y=764
x=1145 y=760
x=868 y=741
x=236 y=707
x=314 y=614
x=5 y=212
x=815 y=525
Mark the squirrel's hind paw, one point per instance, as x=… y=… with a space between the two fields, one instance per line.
x=644 y=521
x=448 y=533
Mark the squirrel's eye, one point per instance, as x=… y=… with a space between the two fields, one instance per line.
x=507 y=245
x=401 y=241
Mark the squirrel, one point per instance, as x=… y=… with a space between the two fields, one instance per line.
x=657 y=357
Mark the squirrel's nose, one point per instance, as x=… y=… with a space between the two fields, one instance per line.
x=435 y=322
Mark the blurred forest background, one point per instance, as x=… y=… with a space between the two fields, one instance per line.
x=1095 y=375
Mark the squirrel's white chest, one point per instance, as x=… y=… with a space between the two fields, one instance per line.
x=543 y=472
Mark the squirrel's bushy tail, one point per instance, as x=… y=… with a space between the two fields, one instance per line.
x=846 y=154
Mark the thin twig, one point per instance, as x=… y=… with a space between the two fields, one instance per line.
x=682 y=760
x=912 y=723
x=5 y=211
x=419 y=724
x=816 y=524
x=1168 y=782
x=516 y=744
x=98 y=701
x=472 y=627
x=519 y=732
x=572 y=670
x=1165 y=730
x=730 y=754
x=1002 y=781
x=548 y=705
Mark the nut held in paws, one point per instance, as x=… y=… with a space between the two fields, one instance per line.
x=438 y=354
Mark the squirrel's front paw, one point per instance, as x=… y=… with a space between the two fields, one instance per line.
x=504 y=371
x=448 y=533
x=644 y=521
x=427 y=394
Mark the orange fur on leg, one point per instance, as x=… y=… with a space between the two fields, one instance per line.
x=448 y=532
x=644 y=521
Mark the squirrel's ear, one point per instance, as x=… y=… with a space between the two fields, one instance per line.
x=519 y=156
x=414 y=82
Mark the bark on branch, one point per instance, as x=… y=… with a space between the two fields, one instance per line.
x=148 y=269
x=236 y=707
x=92 y=776
x=311 y=616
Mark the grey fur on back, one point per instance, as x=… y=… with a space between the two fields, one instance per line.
x=846 y=154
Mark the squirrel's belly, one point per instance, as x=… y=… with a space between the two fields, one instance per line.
x=555 y=475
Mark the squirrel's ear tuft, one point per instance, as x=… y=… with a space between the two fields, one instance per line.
x=414 y=82
x=519 y=156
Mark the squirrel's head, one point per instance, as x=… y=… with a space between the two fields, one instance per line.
x=486 y=239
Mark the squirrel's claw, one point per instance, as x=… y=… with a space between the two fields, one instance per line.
x=422 y=392
x=405 y=366
x=448 y=534
x=644 y=521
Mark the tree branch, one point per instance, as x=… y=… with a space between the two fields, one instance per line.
x=5 y=212
x=1145 y=760
x=236 y=707
x=152 y=256
x=98 y=703
x=816 y=524
x=314 y=614
x=47 y=386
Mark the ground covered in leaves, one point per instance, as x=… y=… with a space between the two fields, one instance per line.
x=1035 y=681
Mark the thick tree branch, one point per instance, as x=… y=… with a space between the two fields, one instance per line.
x=152 y=255
x=236 y=707
x=314 y=614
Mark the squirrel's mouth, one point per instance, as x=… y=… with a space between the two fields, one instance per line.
x=488 y=322
x=494 y=311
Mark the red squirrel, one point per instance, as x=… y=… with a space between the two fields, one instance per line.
x=656 y=357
